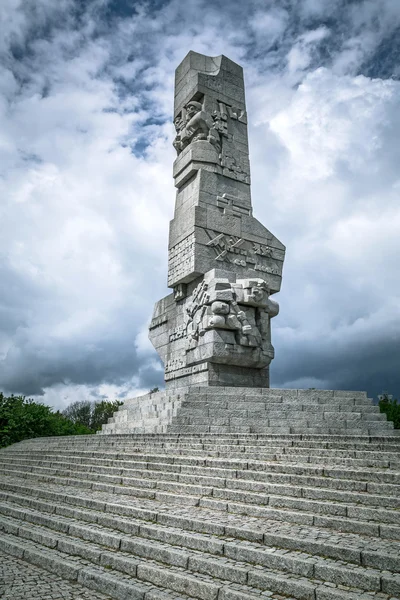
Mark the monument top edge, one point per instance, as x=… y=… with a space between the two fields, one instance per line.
x=211 y=65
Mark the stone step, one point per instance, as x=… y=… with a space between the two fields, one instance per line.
x=363 y=578
x=342 y=420
x=221 y=558
x=218 y=443
x=255 y=451
x=178 y=579
x=221 y=431
x=249 y=394
x=259 y=427
x=262 y=410
x=118 y=474
x=270 y=422
x=275 y=419
x=21 y=580
x=247 y=401
x=267 y=424
x=378 y=558
x=287 y=439
x=208 y=449
x=115 y=583
x=172 y=463
x=375 y=482
x=269 y=413
x=231 y=410
x=353 y=525
x=303 y=510
x=234 y=446
x=300 y=458
x=204 y=408
x=356 y=492
x=278 y=528
x=217 y=477
x=372 y=428
x=306 y=425
x=250 y=404
x=249 y=503
x=245 y=409
x=135 y=524
x=239 y=392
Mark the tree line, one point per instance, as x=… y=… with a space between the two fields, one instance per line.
x=22 y=418
x=391 y=408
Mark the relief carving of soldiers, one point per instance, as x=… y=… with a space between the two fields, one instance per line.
x=243 y=307
x=193 y=125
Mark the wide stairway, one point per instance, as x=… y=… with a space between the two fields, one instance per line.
x=213 y=516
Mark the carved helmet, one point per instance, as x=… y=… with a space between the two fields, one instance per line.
x=197 y=105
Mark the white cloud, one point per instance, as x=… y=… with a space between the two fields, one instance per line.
x=301 y=53
x=269 y=26
x=335 y=120
x=334 y=194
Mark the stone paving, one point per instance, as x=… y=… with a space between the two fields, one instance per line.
x=20 y=580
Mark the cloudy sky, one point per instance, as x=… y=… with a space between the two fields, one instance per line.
x=86 y=189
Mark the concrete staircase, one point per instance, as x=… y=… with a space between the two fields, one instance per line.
x=214 y=516
x=250 y=410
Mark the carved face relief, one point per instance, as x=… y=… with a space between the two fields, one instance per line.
x=257 y=293
x=191 y=109
x=178 y=122
x=195 y=124
x=220 y=308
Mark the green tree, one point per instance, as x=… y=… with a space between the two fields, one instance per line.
x=102 y=412
x=21 y=419
x=391 y=408
x=91 y=414
x=80 y=412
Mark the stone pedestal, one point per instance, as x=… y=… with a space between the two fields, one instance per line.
x=250 y=411
x=223 y=264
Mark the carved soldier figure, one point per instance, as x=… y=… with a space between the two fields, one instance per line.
x=198 y=125
x=177 y=143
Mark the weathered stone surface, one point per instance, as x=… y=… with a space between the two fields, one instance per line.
x=233 y=515
x=223 y=264
x=21 y=581
x=224 y=410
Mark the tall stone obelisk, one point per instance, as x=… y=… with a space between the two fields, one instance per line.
x=223 y=265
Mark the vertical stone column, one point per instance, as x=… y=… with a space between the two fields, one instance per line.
x=223 y=265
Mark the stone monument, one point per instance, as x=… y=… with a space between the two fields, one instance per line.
x=213 y=332
x=223 y=264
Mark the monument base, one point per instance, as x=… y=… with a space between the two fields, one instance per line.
x=216 y=335
x=220 y=375
x=204 y=410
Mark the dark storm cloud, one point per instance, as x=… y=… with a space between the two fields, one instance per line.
x=371 y=365
x=86 y=92
x=31 y=368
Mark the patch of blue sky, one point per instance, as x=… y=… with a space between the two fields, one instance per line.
x=385 y=61
x=149 y=132
x=128 y=8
